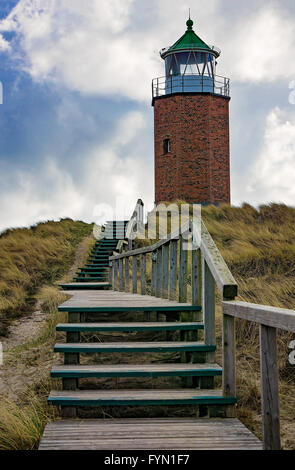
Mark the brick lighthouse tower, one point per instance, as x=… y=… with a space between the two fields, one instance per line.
x=191 y=112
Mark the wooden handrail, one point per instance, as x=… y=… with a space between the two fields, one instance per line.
x=275 y=317
x=151 y=248
x=218 y=267
x=269 y=319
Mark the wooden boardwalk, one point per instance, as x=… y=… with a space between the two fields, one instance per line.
x=149 y=434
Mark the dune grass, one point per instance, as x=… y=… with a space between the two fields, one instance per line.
x=22 y=425
x=31 y=257
x=31 y=261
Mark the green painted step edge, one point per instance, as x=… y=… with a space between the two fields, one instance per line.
x=97 y=268
x=104 y=348
x=99 y=272
x=175 y=373
x=95 y=286
x=94 y=265
x=206 y=400
x=90 y=279
x=186 y=308
x=102 y=250
x=79 y=327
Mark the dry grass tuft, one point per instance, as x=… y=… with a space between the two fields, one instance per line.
x=31 y=257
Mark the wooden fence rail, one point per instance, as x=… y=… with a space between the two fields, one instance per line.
x=269 y=319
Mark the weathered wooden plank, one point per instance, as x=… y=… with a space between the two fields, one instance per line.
x=121 y=276
x=219 y=269
x=139 y=397
x=209 y=309
x=281 y=318
x=134 y=326
x=143 y=274
x=90 y=348
x=134 y=274
x=159 y=281
x=165 y=271
x=127 y=275
x=111 y=272
x=146 y=434
x=154 y=274
x=182 y=281
x=229 y=359
x=269 y=388
x=131 y=370
x=196 y=277
x=173 y=270
x=115 y=281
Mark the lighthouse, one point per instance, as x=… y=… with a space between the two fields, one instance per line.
x=191 y=124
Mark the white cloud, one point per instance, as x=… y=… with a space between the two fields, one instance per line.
x=95 y=47
x=273 y=174
x=260 y=47
x=104 y=178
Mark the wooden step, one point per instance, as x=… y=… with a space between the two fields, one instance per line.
x=129 y=327
x=155 y=346
x=110 y=301
x=157 y=434
x=139 y=397
x=142 y=370
x=85 y=285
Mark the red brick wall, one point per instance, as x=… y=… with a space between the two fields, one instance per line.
x=197 y=169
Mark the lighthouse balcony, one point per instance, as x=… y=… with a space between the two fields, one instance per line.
x=217 y=85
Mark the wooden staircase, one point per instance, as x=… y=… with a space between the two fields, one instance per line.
x=95 y=273
x=164 y=348
x=190 y=361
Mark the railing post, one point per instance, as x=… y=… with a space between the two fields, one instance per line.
x=121 y=275
x=115 y=287
x=143 y=274
x=127 y=276
x=229 y=360
x=154 y=273
x=209 y=310
x=196 y=266
x=173 y=270
x=134 y=274
x=269 y=388
x=111 y=263
x=196 y=277
x=182 y=271
x=159 y=273
x=165 y=268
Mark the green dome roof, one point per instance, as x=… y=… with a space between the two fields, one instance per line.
x=189 y=40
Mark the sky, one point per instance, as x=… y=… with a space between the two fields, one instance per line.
x=76 y=123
